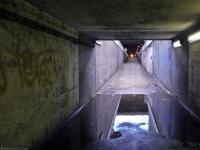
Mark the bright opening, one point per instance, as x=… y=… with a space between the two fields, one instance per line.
x=131 y=123
x=194 y=37
x=177 y=44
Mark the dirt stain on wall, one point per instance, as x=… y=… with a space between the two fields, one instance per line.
x=38 y=83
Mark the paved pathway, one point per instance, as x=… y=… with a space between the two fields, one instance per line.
x=131 y=78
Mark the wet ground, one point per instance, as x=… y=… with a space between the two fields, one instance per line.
x=141 y=141
x=128 y=124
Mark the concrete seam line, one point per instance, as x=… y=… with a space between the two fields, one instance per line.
x=151 y=113
x=111 y=125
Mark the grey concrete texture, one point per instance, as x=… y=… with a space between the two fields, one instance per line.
x=194 y=76
x=131 y=78
x=109 y=58
x=138 y=19
x=176 y=68
x=172 y=119
x=25 y=9
x=96 y=118
x=96 y=66
x=106 y=105
x=87 y=73
x=167 y=64
x=180 y=71
x=141 y=141
x=38 y=83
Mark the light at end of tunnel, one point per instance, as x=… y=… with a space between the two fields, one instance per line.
x=177 y=44
x=131 y=55
x=194 y=37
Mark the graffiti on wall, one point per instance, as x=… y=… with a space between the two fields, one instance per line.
x=37 y=58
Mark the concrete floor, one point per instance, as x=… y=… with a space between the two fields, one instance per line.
x=131 y=78
x=141 y=141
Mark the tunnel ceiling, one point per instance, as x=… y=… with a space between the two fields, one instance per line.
x=125 y=19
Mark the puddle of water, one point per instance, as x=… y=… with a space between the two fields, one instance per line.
x=129 y=124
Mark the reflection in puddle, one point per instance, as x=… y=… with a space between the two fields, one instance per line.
x=128 y=124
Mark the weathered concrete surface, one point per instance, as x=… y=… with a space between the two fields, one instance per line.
x=157 y=59
x=141 y=141
x=131 y=78
x=105 y=109
x=96 y=66
x=128 y=19
x=170 y=67
x=109 y=58
x=172 y=119
x=97 y=117
x=87 y=73
x=180 y=71
x=194 y=76
x=25 y=9
x=38 y=80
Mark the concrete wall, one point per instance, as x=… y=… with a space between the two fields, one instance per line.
x=96 y=66
x=194 y=75
x=87 y=73
x=39 y=82
x=109 y=57
x=176 y=68
x=180 y=71
x=171 y=67
x=172 y=119
x=156 y=58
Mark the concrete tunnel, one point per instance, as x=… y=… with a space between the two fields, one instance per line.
x=99 y=75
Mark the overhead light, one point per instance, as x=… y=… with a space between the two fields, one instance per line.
x=194 y=37
x=99 y=42
x=177 y=44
